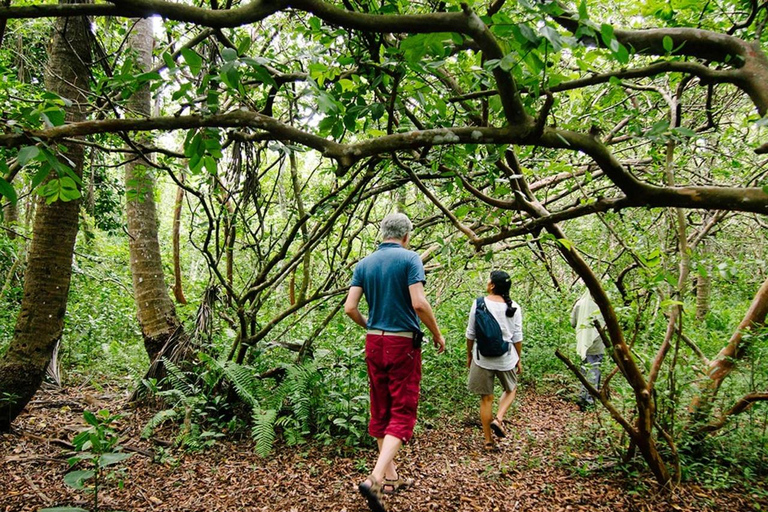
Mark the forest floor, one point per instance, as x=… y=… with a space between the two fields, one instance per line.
x=537 y=469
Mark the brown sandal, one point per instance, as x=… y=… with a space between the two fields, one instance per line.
x=490 y=447
x=372 y=493
x=498 y=428
x=399 y=484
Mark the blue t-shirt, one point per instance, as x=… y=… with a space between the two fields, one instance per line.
x=385 y=277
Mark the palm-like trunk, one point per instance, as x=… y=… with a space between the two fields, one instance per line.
x=49 y=266
x=160 y=326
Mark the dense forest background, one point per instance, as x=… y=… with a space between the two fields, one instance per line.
x=186 y=188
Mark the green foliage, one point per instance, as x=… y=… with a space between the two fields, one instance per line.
x=100 y=338
x=98 y=448
x=190 y=397
x=263 y=430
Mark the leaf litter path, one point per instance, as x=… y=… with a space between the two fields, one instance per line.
x=537 y=469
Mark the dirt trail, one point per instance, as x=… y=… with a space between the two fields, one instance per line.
x=535 y=470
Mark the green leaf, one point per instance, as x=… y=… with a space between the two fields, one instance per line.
x=90 y=418
x=77 y=479
x=668 y=44
x=508 y=62
x=107 y=459
x=7 y=191
x=686 y=132
x=528 y=33
x=80 y=439
x=261 y=72
x=583 y=10
x=40 y=175
x=621 y=53
x=193 y=60
x=210 y=165
x=565 y=243
x=195 y=163
x=195 y=147
x=53 y=116
x=606 y=31
x=26 y=154
x=245 y=45
x=228 y=54
x=148 y=77
x=68 y=189
x=168 y=59
x=553 y=37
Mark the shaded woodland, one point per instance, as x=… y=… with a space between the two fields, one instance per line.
x=186 y=188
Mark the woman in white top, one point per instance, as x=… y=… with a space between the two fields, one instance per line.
x=506 y=367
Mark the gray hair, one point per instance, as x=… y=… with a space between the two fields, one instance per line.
x=395 y=226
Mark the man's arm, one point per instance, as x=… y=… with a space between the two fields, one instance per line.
x=424 y=311
x=351 y=306
x=470 y=346
x=519 y=348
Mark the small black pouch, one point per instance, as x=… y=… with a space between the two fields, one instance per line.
x=418 y=338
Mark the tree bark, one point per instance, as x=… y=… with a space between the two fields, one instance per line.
x=178 y=287
x=41 y=318
x=722 y=365
x=159 y=324
x=703 y=285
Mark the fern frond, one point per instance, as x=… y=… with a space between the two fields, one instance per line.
x=157 y=420
x=301 y=383
x=177 y=378
x=244 y=381
x=215 y=369
x=263 y=431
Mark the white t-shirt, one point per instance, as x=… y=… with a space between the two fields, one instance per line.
x=511 y=330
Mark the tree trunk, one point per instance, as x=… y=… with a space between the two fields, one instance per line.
x=178 y=285
x=11 y=219
x=159 y=324
x=47 y=278
x=703 y=285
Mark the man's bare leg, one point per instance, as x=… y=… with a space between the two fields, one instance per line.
x=389 y=447
x=390 y=473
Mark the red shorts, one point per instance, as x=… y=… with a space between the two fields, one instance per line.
x=394 y=374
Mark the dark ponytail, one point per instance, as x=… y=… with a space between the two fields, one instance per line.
x=510 y=308
x=501 y=286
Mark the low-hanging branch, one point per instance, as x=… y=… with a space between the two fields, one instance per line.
x=743 y=404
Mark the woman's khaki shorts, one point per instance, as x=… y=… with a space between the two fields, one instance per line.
x=481 y=380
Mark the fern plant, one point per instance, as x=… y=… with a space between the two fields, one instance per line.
x=263 y=430
x=303 y=404
x=192 y=399
x=291 y=407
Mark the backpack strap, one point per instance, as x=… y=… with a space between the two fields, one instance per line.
x=479 y=304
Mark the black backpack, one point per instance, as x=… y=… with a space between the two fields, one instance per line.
x=488 y=337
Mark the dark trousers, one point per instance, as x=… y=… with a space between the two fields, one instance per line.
x=590 y=368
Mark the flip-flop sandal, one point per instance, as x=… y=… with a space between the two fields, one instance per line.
x=498 y=428
x=393 y=486
x=490 y=447
x=372 y=493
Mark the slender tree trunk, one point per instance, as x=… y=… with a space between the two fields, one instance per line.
x=703 y=286
x=159 y=324
x=11 y=219
x=178 y=288
x=47 y=278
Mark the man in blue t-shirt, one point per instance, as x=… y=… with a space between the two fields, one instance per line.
x=392 y=280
